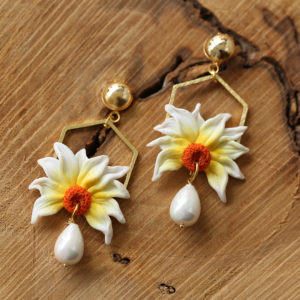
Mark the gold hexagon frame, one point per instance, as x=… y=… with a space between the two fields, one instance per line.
x=116 y=130
x=224 y=84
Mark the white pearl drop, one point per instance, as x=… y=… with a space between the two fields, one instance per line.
x=69 y=246
x=185 y=208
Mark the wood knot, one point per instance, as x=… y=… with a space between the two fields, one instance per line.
x=118 y=258
x=166 y=289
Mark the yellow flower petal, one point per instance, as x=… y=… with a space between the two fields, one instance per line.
x=187 y=124
x=114 y=189
x=92 y=170
x=109 y=175
x=68 y=163
x=52 y=169
x=217 y=178
x=99 y=219
x=230 y=166
x=234 y=132
x=212 y=130
x=229 y=148
x=168 y=160
x=47 y=186
x=81 y=158
x=46 y=205
x=168 y=142
x=111 y=207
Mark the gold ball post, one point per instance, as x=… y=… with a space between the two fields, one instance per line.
x=117 y=96
x=219 y=48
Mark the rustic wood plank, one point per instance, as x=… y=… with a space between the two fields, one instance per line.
x=55 y=58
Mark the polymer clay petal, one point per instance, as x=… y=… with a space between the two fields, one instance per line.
x=168 y=160
x=81 y=158
x=229 y=148
x=186 y=122
x=51 y=167
x=167 y=142
x=110 y=174
x=47 y=186
x=68 y=163
x=197 y=116
x=46 y=205
x=217 y=178
x=92 y=170
x=234 y=132
x=99 y=219
x=112 y=208
x=230 y=166
x=212 y=130
x=114 y=189
x=169 y=127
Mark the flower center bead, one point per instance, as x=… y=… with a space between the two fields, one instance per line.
x=196 y=153
x=74 y=195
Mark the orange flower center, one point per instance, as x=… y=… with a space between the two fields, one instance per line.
x=196 y=153
x=74 y=195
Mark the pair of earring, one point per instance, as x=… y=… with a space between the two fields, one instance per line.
x=88 y=186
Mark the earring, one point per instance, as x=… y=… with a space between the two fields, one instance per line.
x=84 y=186
x=200 y=145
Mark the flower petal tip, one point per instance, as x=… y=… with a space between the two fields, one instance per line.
x=108 y=239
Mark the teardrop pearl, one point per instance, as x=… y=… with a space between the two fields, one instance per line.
x=185 y=208
x=69 y=246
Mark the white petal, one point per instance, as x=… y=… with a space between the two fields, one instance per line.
x=169 y=127
x=168 y=160
x=167 y=142
x=197 y=116
x=99 y=219
x=46 y=205
x=212 y=130
x=110 y=174
x=92 y=170
x=47 y=186
x=234 y=132
x=81 y=158
x=229 y=148
x=217 y=178
x=68 y=163
x=52 y=169
x=114 y=189
x=230 y=166
x=112 y=208
x=186 y=122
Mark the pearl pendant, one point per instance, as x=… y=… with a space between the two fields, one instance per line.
x=69 y=246
x=185 y=208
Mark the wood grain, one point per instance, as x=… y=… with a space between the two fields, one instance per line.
x=55 y=58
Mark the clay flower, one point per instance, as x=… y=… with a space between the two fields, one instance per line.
x=76 y=179
x=190 y=139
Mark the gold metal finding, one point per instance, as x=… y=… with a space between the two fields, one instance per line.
x=112 y=118
x=117 y=96
x=71 y=220
x=220 y=47
x=182 y=226
x=116 y=130
x=194 y=174
x=65 y=265
x=213 y=69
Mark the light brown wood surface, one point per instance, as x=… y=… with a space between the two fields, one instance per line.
x=55 y=58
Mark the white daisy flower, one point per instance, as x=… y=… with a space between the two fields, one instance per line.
x=190 y=139
x=73 y=179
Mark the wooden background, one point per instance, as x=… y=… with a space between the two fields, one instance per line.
x=55 y=58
